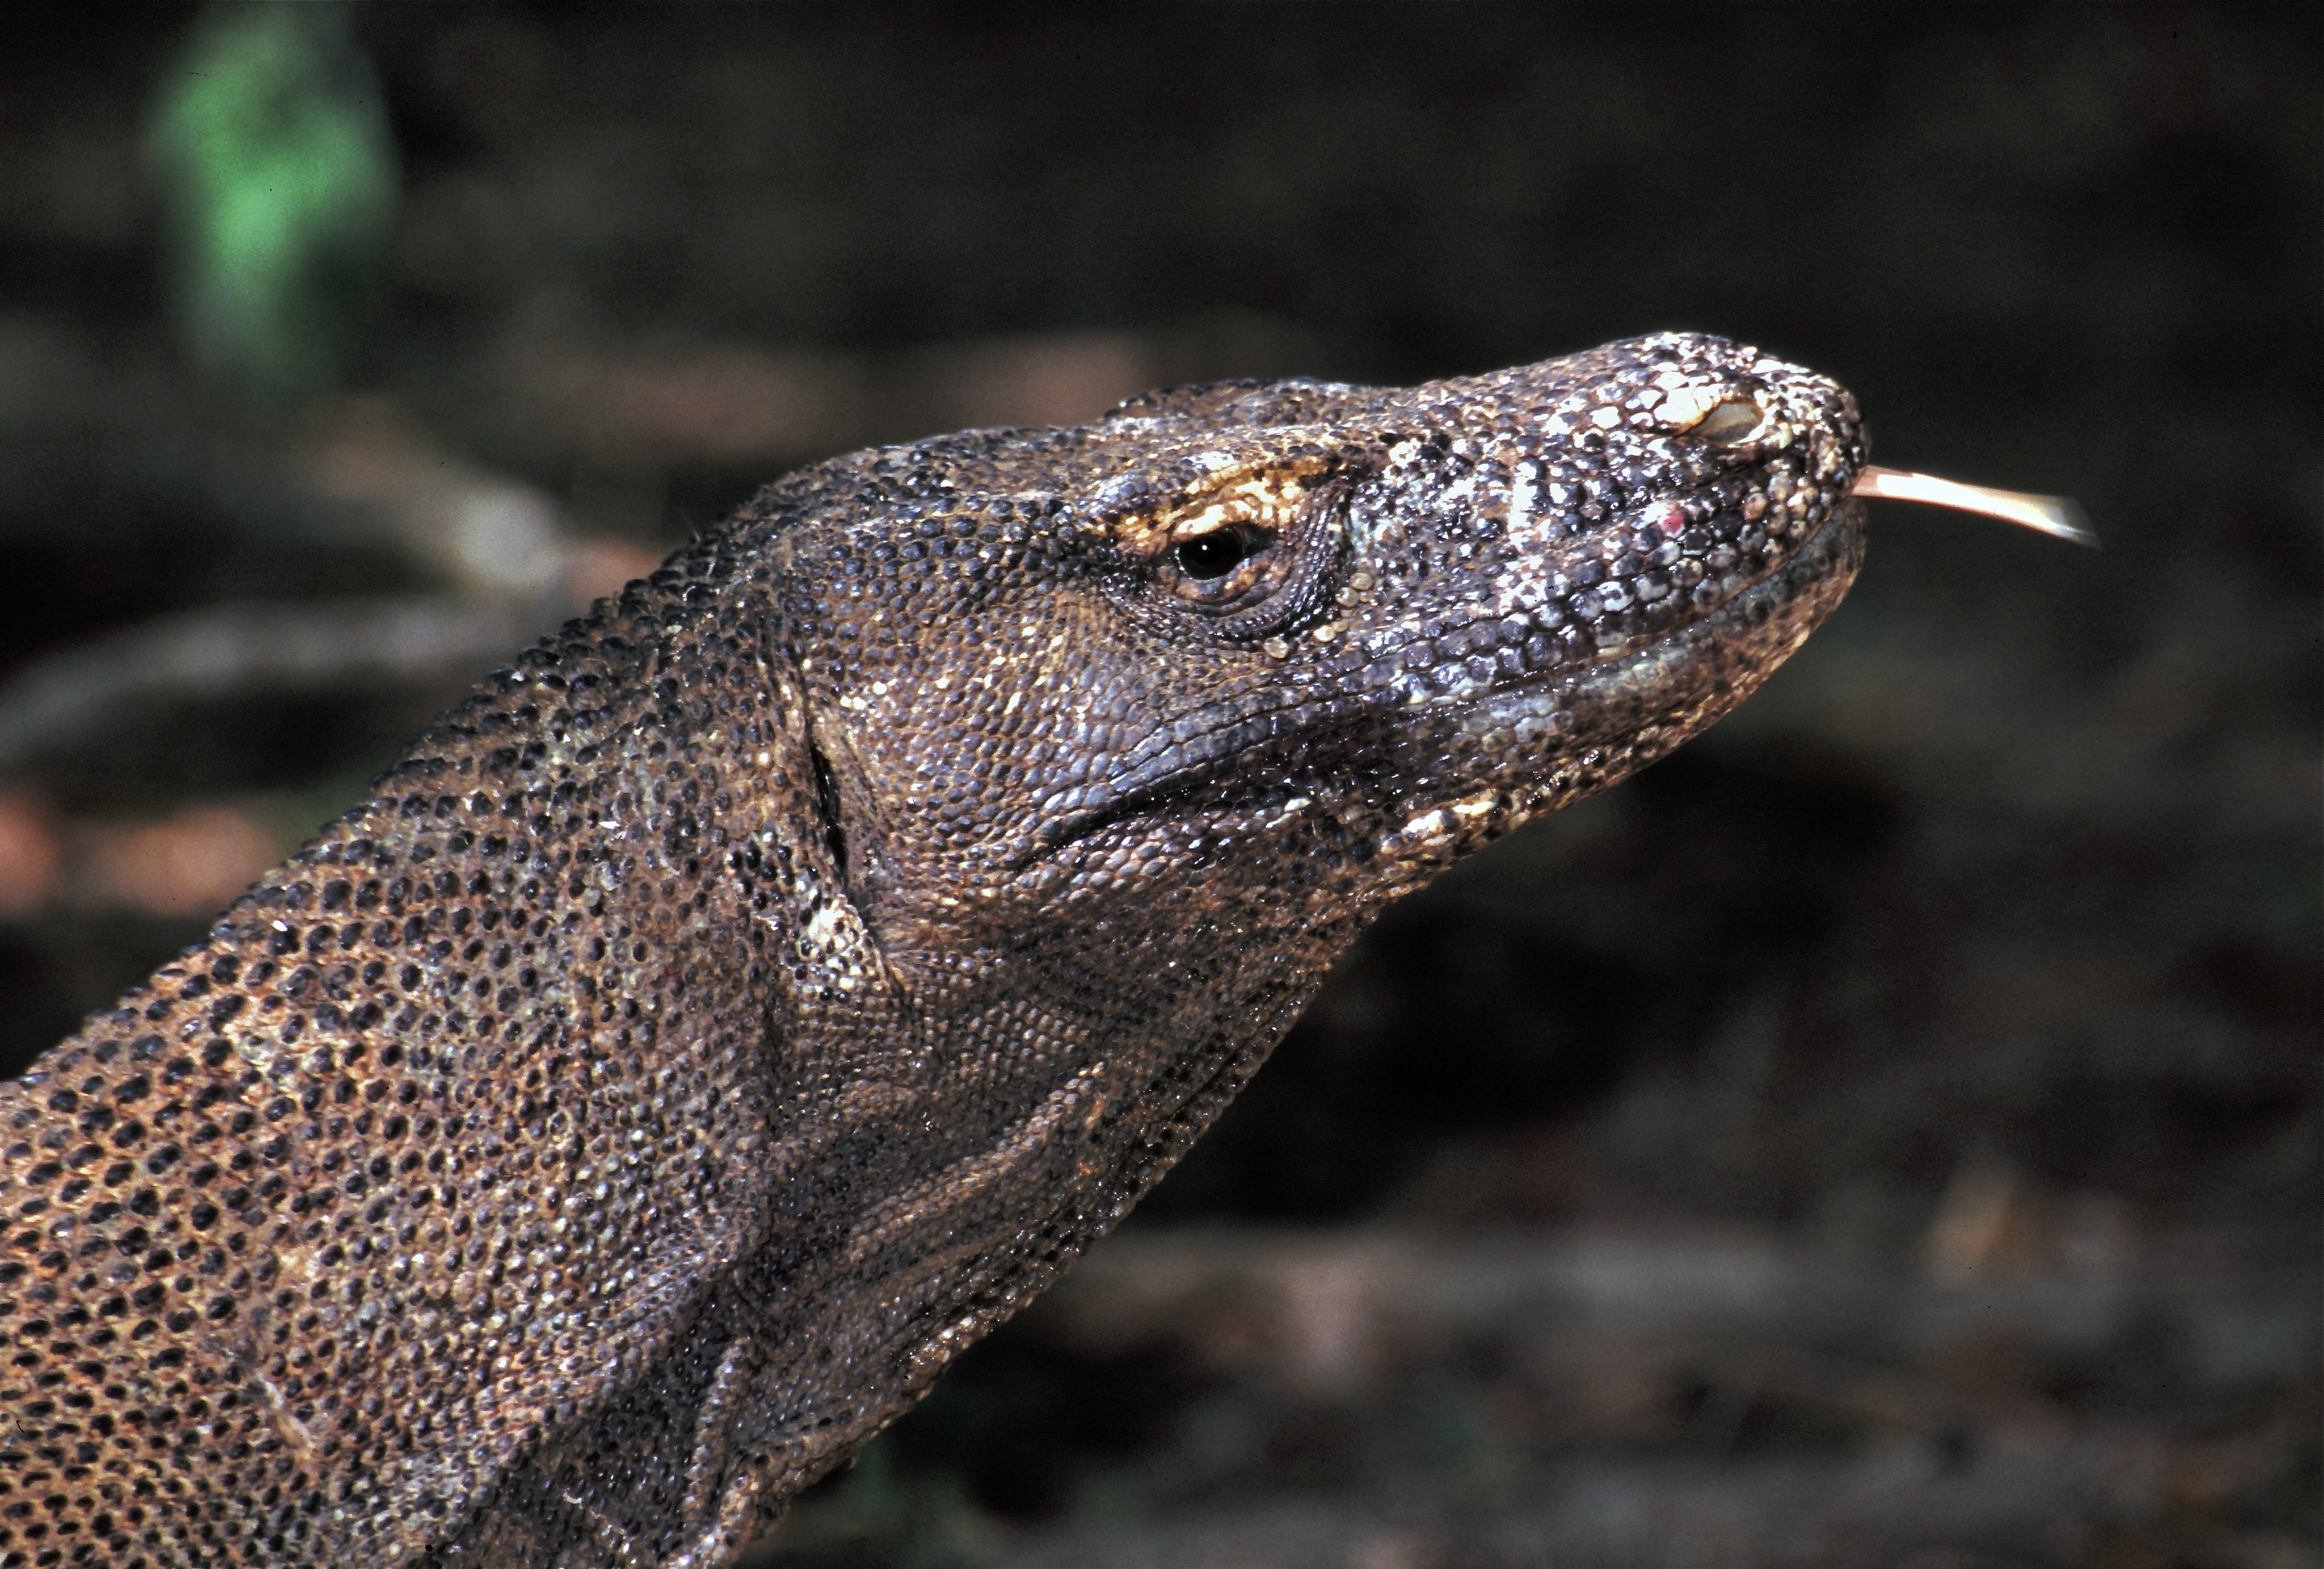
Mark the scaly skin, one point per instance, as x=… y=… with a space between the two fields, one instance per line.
x=767 y=984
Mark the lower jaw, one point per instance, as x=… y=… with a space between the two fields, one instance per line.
x=1738 y=644
x=1576 y=731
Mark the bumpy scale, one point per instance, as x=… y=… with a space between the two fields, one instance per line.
x=768 y=983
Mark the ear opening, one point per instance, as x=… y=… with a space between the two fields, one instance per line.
x=827 y=806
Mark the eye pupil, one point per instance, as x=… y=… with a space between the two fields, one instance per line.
x=1211 y=555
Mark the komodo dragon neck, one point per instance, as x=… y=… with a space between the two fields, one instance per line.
x=756 y=993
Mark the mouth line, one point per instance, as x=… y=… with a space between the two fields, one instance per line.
x=1297 y=726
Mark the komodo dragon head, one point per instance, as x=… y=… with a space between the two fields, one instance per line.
x=766 y=984
x=1169 y=704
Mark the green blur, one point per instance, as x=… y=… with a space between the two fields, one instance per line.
x=276 y=169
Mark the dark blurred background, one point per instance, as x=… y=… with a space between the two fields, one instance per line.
x=1886 y=1134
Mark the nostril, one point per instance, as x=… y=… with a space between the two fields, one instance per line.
x=1734 y=420
x=1718 y=414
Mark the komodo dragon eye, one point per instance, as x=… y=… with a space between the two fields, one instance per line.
x=1235 y=566
x=1252 y=561
x=1213 y=555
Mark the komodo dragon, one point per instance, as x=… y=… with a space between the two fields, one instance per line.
x=768 y=983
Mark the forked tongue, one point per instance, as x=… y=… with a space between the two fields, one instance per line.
x=2048 y=514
